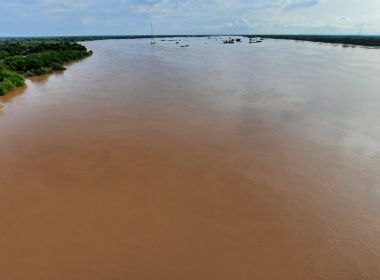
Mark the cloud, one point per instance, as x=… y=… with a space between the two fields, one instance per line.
x=61 y=7
x=299 y=4
x=342 y=19
x=87 y=21
x=60 y=17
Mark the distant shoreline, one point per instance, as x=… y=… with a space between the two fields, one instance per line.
x=358 y=40
x=367 y=41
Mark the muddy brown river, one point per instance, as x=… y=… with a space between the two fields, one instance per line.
x=212 y=162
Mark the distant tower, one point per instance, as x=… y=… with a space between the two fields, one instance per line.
x=361 y=29
x=152 y=41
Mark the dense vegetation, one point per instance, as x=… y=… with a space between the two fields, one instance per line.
x=21 y=58
x=9 y=80
x=369 y=41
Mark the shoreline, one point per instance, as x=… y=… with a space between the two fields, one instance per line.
x=344 y=40
x=23 y=59
x=356 y=40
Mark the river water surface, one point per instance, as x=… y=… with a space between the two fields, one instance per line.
x=208 y=162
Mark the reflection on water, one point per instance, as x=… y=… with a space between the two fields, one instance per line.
x=12 y=94
x=37 y=80
x=208 y=162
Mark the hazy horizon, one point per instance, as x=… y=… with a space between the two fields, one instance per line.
x=21 y=18
x=187 y=35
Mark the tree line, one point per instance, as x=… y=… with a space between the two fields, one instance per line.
x=20 y=58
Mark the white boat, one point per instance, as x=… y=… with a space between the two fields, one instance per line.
x=255 y=40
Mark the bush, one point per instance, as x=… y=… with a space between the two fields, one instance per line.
x=16 y=79
x=57 y=67
x=9 y=80
x=33 y=58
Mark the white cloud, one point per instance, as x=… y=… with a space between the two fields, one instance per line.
x=192 y=16
x=342 y=19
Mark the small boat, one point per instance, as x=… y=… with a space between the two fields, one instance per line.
x=255 y=40
x=229 y=41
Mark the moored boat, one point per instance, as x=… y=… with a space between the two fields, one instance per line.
x=229 y=41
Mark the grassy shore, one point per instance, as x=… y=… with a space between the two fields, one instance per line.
x=20 y=58
x=369 y=41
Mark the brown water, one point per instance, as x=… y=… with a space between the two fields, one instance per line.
x=208 y=162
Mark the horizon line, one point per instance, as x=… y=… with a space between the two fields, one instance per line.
x=189 y=35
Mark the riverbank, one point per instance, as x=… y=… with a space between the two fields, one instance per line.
x=23 y=58
x=368 y=41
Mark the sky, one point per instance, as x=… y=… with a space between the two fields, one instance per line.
x=133 y=17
